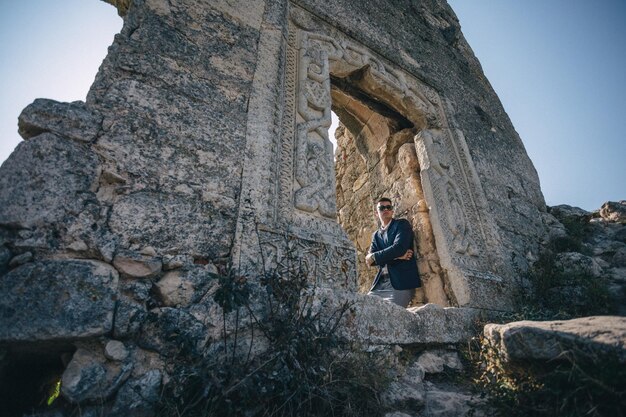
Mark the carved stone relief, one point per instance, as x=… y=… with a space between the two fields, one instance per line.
x=324 y=264
x=307 y=183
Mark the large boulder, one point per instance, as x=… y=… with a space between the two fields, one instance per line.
x=46 y=180
x=546 y=341
x=57 y=300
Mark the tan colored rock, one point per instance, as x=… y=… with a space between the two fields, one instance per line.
x=183 y=287
x=173 y=290
x=148 y=251
x=614 y=211
x=434 y=361
x=135 y=265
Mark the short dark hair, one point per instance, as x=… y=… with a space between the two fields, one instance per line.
x=380 y=200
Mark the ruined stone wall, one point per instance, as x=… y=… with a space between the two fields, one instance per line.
x=116 y=213
x=425 y=39
x=173 y=92
x=203 y=148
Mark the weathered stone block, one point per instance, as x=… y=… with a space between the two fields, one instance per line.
x=374 y=321
x=433 y=362
x=44 y=180
x=138 y=397
x=89 y=377
x=115 y=350
x=172 y=222
x=128 y=318
x=70 y=120
x=57 y=300
x=172 y=331
x=545 y=341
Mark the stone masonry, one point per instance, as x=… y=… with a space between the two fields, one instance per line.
x=202 y=149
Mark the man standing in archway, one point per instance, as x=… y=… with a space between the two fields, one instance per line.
x=392 y=251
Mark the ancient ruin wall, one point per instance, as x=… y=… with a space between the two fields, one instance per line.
x=433 y=49
x=203 y=148
x=201 y=144
x=424 y=38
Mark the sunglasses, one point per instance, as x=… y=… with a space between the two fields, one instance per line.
x=383 y=208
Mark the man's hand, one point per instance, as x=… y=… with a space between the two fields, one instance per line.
x=407 y=255
x=369 y=259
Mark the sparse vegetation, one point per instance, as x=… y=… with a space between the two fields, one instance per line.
x=286 y=361
x=548 y=292
x=577 y=383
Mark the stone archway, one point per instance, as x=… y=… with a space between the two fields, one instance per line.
x=376 y=156
x=323 y=67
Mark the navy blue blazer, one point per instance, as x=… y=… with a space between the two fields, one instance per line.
x=388 y=245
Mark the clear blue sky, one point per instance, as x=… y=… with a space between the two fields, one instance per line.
x=558 y=66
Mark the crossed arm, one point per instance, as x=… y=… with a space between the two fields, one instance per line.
x=396 y=251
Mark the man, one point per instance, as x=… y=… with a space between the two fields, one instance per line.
x=392 y=251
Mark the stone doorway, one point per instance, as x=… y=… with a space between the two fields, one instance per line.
x=376 y=157
x=410 y=148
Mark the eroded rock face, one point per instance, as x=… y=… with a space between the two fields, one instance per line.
x=139 y=397
x=602 y=237
x=46 y=179
x=545 y=341
x=70 y=120
x=57 y=300
x=89 y=377
x=614 y=211
x=172 y=332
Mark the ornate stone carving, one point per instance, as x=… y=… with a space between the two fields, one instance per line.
x=324 y=264
x=306 y=208
x=307 y=180
x=314 y=171
x=449 y=196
